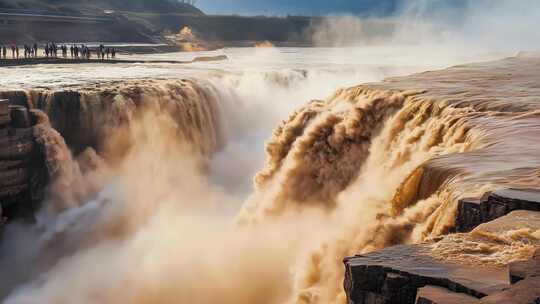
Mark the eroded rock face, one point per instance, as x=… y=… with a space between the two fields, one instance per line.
x=395 y=274
x=473 y=212
x=487 y=265
x=23 y=169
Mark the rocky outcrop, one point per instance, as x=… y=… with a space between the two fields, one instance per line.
x=525 y=269
x=23 y=169
x=473 y=211
x=395 y=274
x=526 y=279
x=476 y=271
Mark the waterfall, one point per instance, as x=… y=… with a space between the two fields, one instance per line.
x=371 y=166
x=88 y=115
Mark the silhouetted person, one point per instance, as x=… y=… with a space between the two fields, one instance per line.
x=4 y=51
x=113 y=53
x=12 y=51
x=35 y=49
x=17 y=51
x=101 y=51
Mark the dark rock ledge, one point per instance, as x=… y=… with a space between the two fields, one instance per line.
x=410 y=274
x=395 y=274
x=473 y=211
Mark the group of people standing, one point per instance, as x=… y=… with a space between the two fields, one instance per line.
x=30 y=50
x=14 y=51
x=50 y=50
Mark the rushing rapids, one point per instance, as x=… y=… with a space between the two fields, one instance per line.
x=86 y=115
x=391 y=160
x=372 y=166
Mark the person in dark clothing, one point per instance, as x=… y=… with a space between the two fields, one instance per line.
x=102 y=51
x=17 y=51
x=113 y=53
x=4 y=51
x=35 y=49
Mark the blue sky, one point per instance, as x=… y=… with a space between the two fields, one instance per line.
x=298 y=7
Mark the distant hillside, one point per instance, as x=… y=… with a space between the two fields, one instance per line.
x=362 y=8
x=94 y=7
x=151 y=21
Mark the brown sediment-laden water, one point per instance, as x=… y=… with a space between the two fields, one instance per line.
x=153 y=218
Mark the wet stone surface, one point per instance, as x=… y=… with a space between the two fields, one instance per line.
x=396 y=273
x=411 y=274
x=473 y=212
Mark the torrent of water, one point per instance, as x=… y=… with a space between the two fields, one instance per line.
x=85 y=116
x=354 y=159
x=369 y=167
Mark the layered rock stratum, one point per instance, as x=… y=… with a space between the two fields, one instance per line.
x=30 y=152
